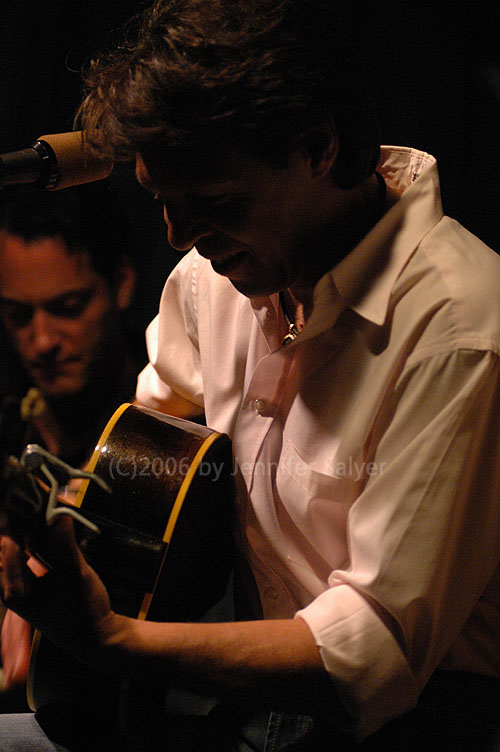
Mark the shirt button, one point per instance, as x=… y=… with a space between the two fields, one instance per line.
x=260 y=406
x=272 y=593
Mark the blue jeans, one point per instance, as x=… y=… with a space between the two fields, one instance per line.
x=220 y=732
x=456 y=713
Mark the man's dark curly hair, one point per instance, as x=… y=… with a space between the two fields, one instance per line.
x=86 y=217
x=255 y=74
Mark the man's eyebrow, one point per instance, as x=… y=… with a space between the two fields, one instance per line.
x=88 y=290
x=145 y=183
x=12 y=301
x=4 y=299
x=145 y=180
x=218 y=184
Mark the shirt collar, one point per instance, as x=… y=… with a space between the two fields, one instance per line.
x=364 y=279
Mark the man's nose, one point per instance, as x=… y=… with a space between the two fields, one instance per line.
x=184 y=228
x=44 y=333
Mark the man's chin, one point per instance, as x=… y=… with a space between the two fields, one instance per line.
x=60 y=390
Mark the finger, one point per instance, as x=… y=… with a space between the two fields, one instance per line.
x=64 y=550
x=16 y=577
x=1 y=541
x=9 y=549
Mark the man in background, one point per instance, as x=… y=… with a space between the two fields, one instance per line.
x=66 y=280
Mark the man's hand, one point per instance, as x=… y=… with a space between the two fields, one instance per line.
x=274 y=662
x=69 y=604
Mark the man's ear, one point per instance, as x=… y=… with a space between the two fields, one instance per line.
x=124 y=283
x=321 y=147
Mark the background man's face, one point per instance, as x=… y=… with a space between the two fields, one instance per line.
x=58 y=311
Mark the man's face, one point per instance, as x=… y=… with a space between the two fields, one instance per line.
x=257 y=224
x=57 y=310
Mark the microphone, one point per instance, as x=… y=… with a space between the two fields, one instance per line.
x=53 y=162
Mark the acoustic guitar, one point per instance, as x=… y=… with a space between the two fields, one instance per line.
x=163 y=550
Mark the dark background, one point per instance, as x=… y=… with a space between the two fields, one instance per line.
x=436 y=73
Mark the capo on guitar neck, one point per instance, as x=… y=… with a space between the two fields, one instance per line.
x=164 y=552
x=36 y=458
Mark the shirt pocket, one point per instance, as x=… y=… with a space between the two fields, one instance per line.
x=313 y=510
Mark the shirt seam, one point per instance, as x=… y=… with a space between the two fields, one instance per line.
x=465 y=344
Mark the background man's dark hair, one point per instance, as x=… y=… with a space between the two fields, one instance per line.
x=252 y=73
x=87 y=217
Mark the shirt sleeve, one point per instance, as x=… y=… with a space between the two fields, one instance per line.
x=172 y=380
x=423 y=536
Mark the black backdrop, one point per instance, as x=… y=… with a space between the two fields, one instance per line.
x=437 y=74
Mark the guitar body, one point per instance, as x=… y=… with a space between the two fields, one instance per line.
x=164 y=550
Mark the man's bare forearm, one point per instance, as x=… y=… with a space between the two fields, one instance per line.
x=270 y=662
